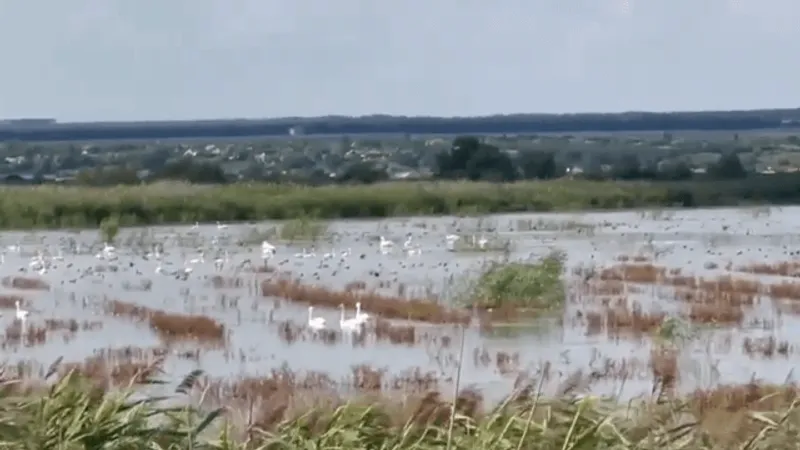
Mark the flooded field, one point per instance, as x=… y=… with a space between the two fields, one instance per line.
x=718 y=285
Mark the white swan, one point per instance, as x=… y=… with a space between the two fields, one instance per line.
x=450 y=241
x=315 y=323
x=386 y=245
x=220 y=261
x=21 y=313
x=221 y=226
x=267 y=247
x=361 y=317
x=199 y=260
x=348 y=324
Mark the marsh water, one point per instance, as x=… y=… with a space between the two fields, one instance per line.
x=689 y=240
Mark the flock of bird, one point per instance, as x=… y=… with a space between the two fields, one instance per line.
x=45 y=260
x=353 y=324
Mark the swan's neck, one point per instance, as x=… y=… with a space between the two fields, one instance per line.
x=342 y=319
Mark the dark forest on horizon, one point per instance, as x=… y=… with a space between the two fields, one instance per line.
x=383 y=124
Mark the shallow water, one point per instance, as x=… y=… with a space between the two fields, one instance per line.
x=684 y=239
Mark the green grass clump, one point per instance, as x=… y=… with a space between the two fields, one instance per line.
x=302 y=229
x=164 y=203
x=468 y=243
x=535 y=285
x=109 y=228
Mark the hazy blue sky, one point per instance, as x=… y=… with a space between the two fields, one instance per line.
x=174 y=59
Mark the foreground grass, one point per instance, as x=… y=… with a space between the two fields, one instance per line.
x=75 y=413
x=70 y=207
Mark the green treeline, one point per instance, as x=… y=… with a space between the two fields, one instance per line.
x=52 y=206
x=383 y=124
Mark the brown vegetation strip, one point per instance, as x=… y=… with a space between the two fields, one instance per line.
x=783 y=269
x=172 y=327
x=739 y=290
x=25 y=283
x=384 y=306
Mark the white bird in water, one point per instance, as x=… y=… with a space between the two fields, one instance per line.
x=315 y=323
x=199 y=260
x=267 y=247
x=450 y=240
x=221 y=226
x=348 y=324
x=385 y=243
x=221 y=261
x=196 y=226
x=361 y=317
x=21 y=313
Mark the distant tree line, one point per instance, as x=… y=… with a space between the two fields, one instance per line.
x=469 y=158
x=381 y=124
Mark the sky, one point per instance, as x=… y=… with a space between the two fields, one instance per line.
x=90 y=60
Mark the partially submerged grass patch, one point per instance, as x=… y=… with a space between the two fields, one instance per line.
x=562 y=226
x=530 y=285
x=482 y=243
x=385 y=306
x=305 y=229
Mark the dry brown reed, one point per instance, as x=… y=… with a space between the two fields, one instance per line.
x=380 y=330
x=783 y=269
x=10 y=301
x=634 y=321
x=386 y=306
x=117 y=371
x=172 y=328
x=722 y=290
x=766 y=347
x=25 y=283
x=725 y=413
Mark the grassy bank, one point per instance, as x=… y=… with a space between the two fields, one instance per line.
x=162 y=203
x=78 y=414
x=52 y=206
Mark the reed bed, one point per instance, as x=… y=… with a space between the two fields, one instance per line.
x=283 y=410
x=172 y=328
x=783 y=269
x=388 y=307
x=722 y=289
x=27 y=283
x=161 y=203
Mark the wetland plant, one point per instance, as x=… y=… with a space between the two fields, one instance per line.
x=530 y=285
x=481 y=243
x=76 y=412
x=109 y=228
x=302 y=229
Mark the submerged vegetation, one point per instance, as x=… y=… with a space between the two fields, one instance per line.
x=302 y=229
x=530 y=285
